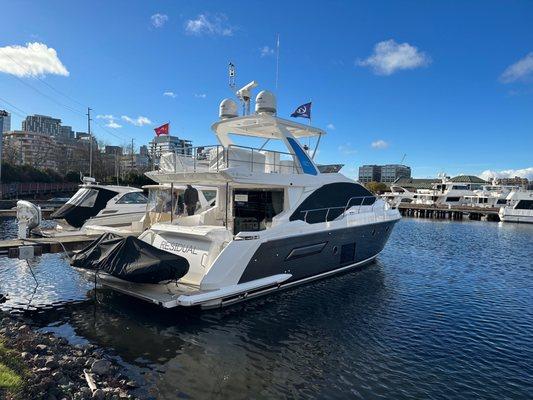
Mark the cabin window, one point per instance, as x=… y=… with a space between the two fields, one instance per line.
x=452 y=199
x=524 y=205
x=84 y=198
x=329 y=201
x=460 y=187
x=133 y=198
x=501 y=201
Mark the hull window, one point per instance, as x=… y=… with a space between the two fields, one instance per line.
x=524 y=205
x=347 y=254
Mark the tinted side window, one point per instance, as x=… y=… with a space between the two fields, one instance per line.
x=329 y=201
x=525 y=205
x=133 y=198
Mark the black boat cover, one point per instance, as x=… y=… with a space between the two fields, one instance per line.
x=86 y=203
x=131 y=259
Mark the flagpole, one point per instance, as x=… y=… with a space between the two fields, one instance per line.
x=277 y=63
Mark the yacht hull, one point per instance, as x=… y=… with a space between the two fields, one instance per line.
x=318 y=253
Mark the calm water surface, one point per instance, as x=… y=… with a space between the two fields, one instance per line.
x=446 y=313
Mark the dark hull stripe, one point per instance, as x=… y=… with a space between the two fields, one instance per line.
x=342 y=247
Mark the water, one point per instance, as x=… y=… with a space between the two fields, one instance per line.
x=446 y=313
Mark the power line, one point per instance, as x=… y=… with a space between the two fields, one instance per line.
x=15 y=107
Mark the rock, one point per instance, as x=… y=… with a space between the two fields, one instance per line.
x=41 y=347
x=131 y=384
x=86 y=393
x=89 y=362
x=101 y=367
x=51 y=363
x=23 y=328
x=99 y=394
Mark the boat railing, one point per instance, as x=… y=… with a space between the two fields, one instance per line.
x=339 y=211
x=217 y=157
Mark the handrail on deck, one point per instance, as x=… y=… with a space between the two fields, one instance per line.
x=202 y=156
x=345 y=208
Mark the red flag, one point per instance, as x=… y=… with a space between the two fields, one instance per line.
x=162 y=130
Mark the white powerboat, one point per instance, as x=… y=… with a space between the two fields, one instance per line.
x=277 y=221
x=92 y=204
x=519 y=207
x=398 y=195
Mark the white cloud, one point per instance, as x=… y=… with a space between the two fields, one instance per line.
x=330 y=126
x=266 y=51
x=389 y=57
x=34 y=59
x=110 y=121
x=158 y=20
x=508 y=173
x=347 y=149
x=139 y=121
x=200 y=95
x=169 y=94
x=519 y=71
x=209 y=25
x=380 y=144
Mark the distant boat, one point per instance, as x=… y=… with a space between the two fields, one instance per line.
x=519 y=207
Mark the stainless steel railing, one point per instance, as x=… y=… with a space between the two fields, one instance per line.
x=327 y=210
x=217 y=157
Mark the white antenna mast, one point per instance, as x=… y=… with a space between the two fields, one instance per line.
x=245 y=94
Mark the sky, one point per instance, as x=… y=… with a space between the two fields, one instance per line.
x=443 y=86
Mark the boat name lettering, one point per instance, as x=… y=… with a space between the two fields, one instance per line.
x=178 y=247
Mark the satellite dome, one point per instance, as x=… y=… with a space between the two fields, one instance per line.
x=228 y=109
x=265 y=102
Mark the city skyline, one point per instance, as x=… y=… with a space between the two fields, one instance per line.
x=454 y=94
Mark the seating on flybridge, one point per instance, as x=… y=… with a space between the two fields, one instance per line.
x=234 y=159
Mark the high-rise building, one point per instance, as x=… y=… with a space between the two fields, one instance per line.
x=42 y=124
x=143 y=150
x=166 y=143
x=115 y=150
x=65 y=132
x=369 y=173
x=5 y=121
x=383 y=173
x=30 y=148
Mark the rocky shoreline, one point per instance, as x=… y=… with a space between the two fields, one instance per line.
x=53 y=369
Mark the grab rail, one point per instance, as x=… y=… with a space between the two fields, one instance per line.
x=345 y=208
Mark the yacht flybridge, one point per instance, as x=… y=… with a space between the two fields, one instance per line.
x=276 y=221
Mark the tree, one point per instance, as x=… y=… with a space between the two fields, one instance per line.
x=376 y=187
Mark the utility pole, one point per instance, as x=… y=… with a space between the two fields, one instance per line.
x=132 y=154
x=90 y=142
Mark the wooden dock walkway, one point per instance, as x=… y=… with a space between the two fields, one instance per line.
x=447 y=212
x=11 y=247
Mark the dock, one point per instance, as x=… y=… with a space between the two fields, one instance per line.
x=12 y=212
x=40 y=245
x=449 y=212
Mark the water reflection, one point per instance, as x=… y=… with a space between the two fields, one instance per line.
x=446 y=312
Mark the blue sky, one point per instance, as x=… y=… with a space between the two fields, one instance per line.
x=449 y=84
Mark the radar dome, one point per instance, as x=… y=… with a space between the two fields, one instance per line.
x=265 y=102
x=228 y=109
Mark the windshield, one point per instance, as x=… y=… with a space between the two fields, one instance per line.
x=84 y=198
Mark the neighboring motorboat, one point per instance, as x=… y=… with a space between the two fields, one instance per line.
x=94 y=204
x=519 y=207
x=277 y=221
x=398 y=195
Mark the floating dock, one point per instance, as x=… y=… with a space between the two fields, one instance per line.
x=449 y=212
x=41 y=245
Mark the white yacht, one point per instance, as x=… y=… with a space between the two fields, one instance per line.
x=519 y=207
x=92 y=204
x=488 y=196
x=398 y=195
x=447 y=192
x=276 y=222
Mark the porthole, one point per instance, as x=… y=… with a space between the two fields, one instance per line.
x=335 y=250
